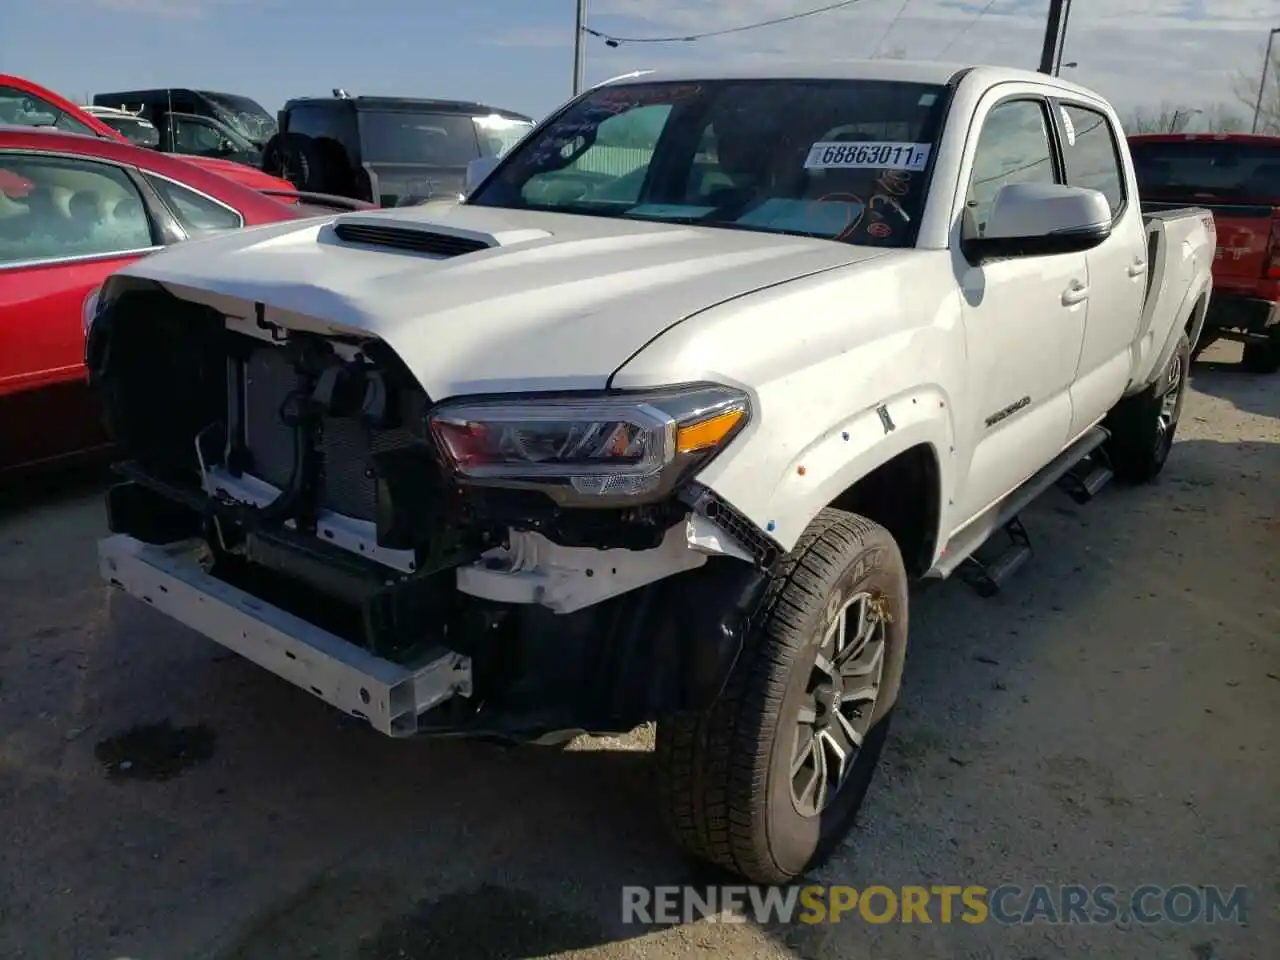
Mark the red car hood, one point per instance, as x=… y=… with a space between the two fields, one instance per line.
x=241 y=173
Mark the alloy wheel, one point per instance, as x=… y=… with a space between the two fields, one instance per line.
x=839 y=702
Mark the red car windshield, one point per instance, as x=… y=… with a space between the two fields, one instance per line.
x=1208 y=169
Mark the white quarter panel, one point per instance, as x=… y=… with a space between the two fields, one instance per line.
x=1181 y=275
x=818 y=357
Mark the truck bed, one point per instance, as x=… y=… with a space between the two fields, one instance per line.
x=1169 y=277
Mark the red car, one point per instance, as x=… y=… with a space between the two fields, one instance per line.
x=24 y=103
x=74 y=209
x=1237 y=176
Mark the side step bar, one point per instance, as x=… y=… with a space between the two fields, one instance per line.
x=1083 y=481
x=1004 y=515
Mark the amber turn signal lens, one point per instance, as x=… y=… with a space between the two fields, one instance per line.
x=707 y=433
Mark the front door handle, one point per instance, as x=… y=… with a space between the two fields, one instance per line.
x=1076 y=293
x=1138 y=267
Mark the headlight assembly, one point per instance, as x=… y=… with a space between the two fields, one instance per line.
x=590 y=450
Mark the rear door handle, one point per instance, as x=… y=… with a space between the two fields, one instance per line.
x=1076 y=293
x=1137 y=268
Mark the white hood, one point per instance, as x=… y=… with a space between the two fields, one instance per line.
x=557 y=301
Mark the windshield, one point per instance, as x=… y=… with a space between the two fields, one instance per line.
x=499 y=134
x=245 y=116
x=136 y=130
x=839 y=159
x=403 y=136
x=1208 y=169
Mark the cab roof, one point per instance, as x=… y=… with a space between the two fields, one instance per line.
x=906 y=71
x=408 y=104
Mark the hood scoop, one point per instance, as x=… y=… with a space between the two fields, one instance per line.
x=414 y=236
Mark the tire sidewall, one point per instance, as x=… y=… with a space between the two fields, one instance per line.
x=796 y=842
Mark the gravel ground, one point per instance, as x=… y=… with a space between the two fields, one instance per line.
x=1113 y=717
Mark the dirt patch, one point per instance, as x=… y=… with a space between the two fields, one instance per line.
x=155 y=752
x=486 y=923
x=372 y=916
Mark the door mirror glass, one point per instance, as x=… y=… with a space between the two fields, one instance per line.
x=477 y=170
x=1040 y=219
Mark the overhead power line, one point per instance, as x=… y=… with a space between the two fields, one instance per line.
x=966 y=28
x=889 y=29
x=614 y=41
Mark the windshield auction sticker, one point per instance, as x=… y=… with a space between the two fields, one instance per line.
x=868 y=155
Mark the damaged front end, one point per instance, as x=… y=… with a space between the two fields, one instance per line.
x=516 y=565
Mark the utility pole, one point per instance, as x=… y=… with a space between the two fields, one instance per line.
x=1062 y=43
x=1262 y=84
x=579 y=53
x=1054 y=30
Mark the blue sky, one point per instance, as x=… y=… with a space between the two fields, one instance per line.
x=517 y=53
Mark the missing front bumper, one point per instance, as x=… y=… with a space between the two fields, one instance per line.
x=391 y=697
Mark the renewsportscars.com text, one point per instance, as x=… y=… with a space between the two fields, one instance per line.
x=1007 y=904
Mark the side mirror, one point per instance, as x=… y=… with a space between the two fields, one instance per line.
x=1041 y=219
x=477 y=170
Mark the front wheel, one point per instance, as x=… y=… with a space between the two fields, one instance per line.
x=769 y=780
x=1142 y=426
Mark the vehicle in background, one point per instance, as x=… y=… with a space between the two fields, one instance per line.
x=138 y=130
x=194 y=136
x=658 y=422
x=24 y=103
x=1237 y=176
x=246 y=119
x=74 y=208
x=185 y=134
x=387 y=150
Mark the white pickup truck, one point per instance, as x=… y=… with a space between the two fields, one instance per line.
x=659 y=421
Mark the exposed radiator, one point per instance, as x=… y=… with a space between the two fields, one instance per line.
x=348 y=486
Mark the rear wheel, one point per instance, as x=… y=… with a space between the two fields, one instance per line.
x=310 y=165
x=1142 y=426
x=769 y=781
x=1263 y=357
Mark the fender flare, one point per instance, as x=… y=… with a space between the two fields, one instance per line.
x=1199 y=297
x=821 y=471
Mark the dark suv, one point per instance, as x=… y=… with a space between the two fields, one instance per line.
x=199 y=122
x=390 y=151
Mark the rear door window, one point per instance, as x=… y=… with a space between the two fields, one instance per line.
x=53 y=208
x=313 y=120
x=1091 y=154
x=197 y=213
x=1227 y=170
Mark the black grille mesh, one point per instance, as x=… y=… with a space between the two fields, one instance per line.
x=348 y=485
x=400 y=238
